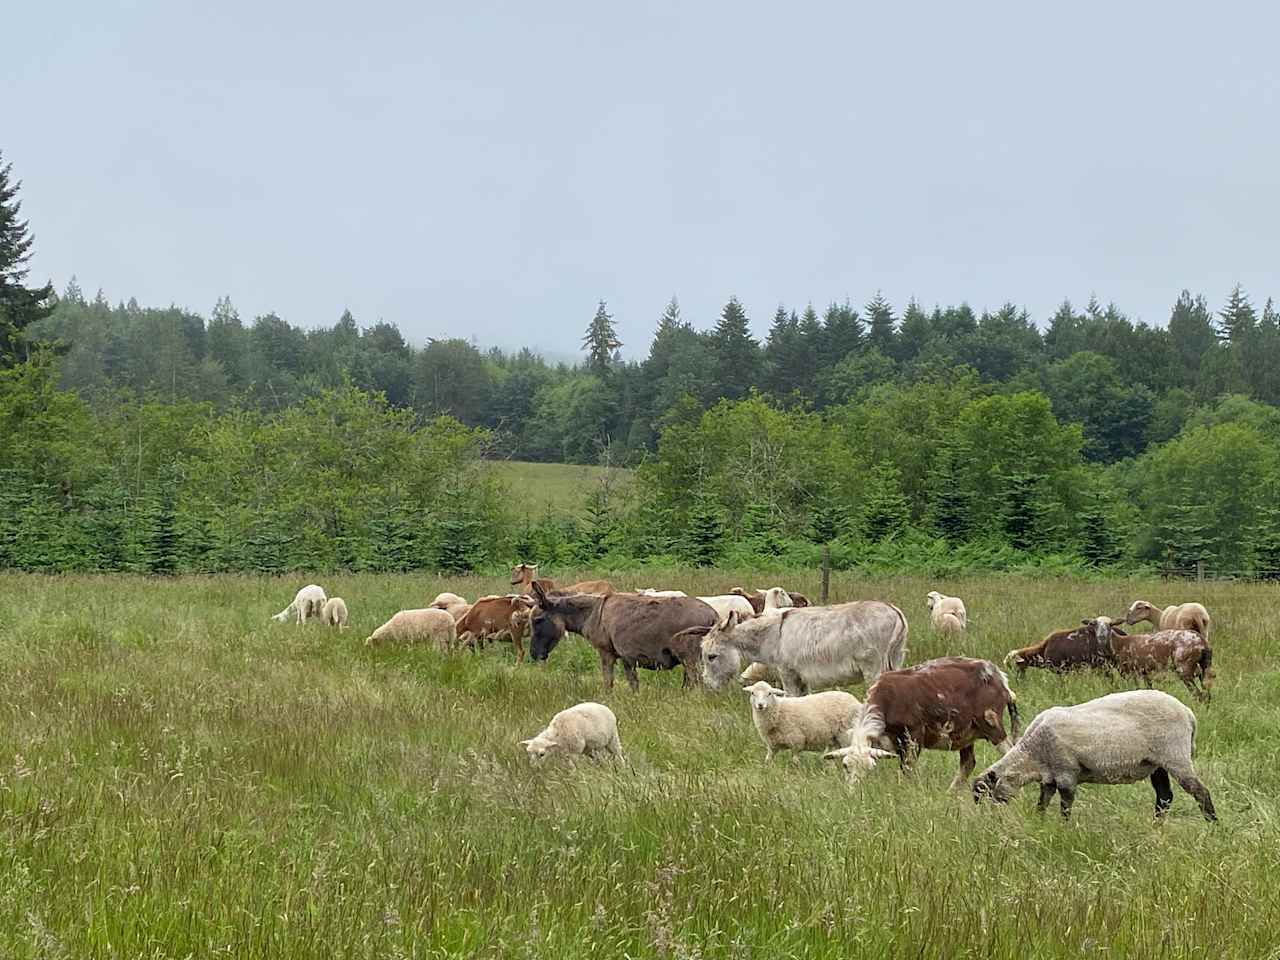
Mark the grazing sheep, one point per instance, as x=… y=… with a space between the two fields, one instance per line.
x=650 y=592
x=947 y=613
x=725 y=604
x=412 y=625
x=818 y=721
x=453 y=604
x=334 y=613
x=307 y=603
x=1184 y=651
x=1119 y=738
x=758 y=599
x=587 y=729
x=1178 y=616
x=756 y=672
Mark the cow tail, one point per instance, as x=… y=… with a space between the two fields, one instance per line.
x=896 y=654
x=1015 y=719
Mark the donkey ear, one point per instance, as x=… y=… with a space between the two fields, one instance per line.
x=731 y=620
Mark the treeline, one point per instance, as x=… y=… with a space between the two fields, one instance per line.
x=1128 y=385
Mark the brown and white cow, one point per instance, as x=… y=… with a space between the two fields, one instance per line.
x=1088 y=645
x=497 y=618
x=944 y=704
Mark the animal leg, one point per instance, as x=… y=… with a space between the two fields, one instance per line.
x=615 y=747
x=633 y=675
x=792 y=683
x=606 y=668
x=768 y=753
x=967 y=763
x=903 y=746
x=518 y=643
x=1164 y=792
x=1189 y=782
x=1047 y=790
x=1068 y=797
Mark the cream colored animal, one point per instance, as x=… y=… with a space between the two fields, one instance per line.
x=775 y=598
x=947 y=613
x=756 y=672
x=818 y=721
x=413 y=625
x=1178 y=616
x=586 y=729
x=455 y=605
x=307 y=603
x=1119 y=738
x=334 y=613
x=650 y=592
x=728 y=603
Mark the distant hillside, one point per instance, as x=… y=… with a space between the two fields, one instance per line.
x=556 y=488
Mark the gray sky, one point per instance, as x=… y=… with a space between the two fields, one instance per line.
x=493 y=170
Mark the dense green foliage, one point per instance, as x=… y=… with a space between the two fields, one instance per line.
x=165 y=441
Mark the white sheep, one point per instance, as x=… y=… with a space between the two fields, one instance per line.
x=947 y=613
x=775 y=598
x=307 y=603
x=334 y=613
x=455 y=605
x=756 y=672
x=1178 y=616
x=818 y=721
x=1119 y=738
x=423 y=624
x=587 y=729
x=728 y=603
x=651 y=592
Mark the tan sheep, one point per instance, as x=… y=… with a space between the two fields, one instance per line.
x=413 y=625
x=947 y=613
x=588 y=729
x=1178 y=616
x=455 y=605
x=334 y=613
x=818 y=721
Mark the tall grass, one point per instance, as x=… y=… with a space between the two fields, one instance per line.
x=181 y=777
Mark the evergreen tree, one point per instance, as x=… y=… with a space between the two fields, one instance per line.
x=1265 y=533
x=704 y=532
x=20 y=306
x=828 y=517
x=885 y=511
x=600 y=342
x=1029 y=515
x=761 y=530
x=459 y=546
x=842 y=334
x=881 y=323
x=599 y=531
x=950 y=498
x=1184 y=534
x=1192 y=333
x=1098 y=542
x=786 y=367
x=1237 y=319
x=736 y=354
x=914 y=332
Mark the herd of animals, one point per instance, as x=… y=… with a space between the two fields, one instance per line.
x=788 y=654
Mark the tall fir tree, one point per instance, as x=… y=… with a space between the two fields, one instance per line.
x=600 y=342
x=881 y=325
x=703 y=539
x=913 y=333
x=736 y=353
x=1237 y=320
x=950 y=499
x=885 y=511
x=842 y=334
x=20 y=306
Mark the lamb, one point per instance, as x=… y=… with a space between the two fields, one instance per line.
x=947 y=613
x=423 y=624
x=455 y=605
x=588 y=729
x=1119 y=738
x=1178 y=616
x=818 y=721
x=334 y=613
x=307 y=603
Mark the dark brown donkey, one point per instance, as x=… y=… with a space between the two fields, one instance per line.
x=622 y=626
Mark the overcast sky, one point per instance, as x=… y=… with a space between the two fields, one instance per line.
x=492 y=171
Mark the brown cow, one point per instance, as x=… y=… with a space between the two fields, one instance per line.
x=524 y=574
x=637 y=630
x=944 y=704
x=1085 y=646
x=497 y=618
x=1185 y=652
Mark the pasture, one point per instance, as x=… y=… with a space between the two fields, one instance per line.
x=183 y=777
x=554 y=488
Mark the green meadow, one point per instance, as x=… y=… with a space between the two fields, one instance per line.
x=182 y=777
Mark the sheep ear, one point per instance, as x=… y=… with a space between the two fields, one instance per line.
x=525 y=743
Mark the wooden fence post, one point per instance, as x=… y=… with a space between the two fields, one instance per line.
x=826 y=574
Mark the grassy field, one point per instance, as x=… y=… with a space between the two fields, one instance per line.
x=556 y=488
x=182 y=777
